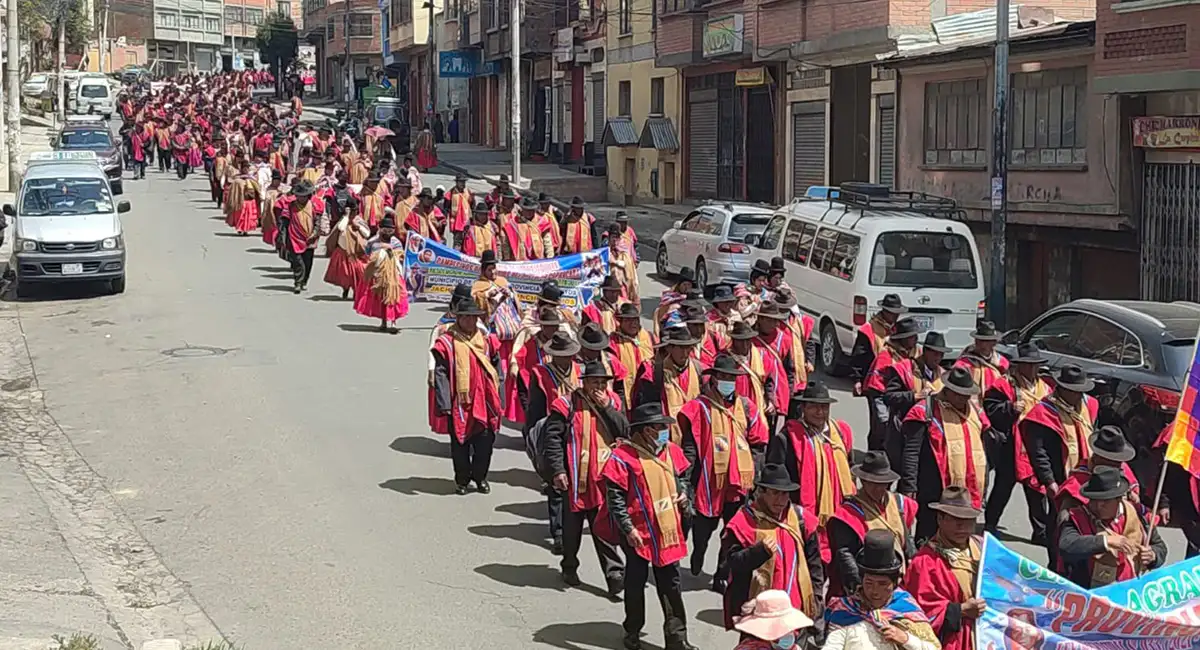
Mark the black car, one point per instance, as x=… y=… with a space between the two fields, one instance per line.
x=1138 y=352
x=95 y=136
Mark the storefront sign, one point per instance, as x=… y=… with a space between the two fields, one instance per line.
x=751 y=77
x=723 y=36
x=457 y=64
x=564 y=45
x=542 y=69
x=1167 y=132
x=489 y=69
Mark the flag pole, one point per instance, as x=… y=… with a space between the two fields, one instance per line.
x=1162 y=480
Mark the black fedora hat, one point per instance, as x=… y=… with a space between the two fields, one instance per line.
x=741 y=331
x=425 y=193
x=1109 y=442
x=1105 y=483
x=628 y=310
x=592 y=337
x=1029 y=353
x=502 y=178
x=695 y=298
x=648 y=414
x=528 y=203
x=777 y=265
x=771 y=309
x=460 y=177
x=303 y=188
x=403 y=181
x=611 y=282
x=891 y=302
x=621 y=216
x=460 y=292
x=723 y=293
x=677 y=336
x=1072 y=377
x=726 y=365
x=561 y=345
x=482 y=206
x=543 y=197
x=774 y=476
x=686 y=274
x=905 y=328
x=875 y=468
x=959 y=380
x=956 y=502
x=577 y=202
x=388 y=221
x=549 y=316
x=466 y=307
x=878 y=554
x=785 y=300
x=594 y=369
x=487 y=258
x=693 y=315
x=816 y=392
x=551 y=293
x=935 y=341
x=985 y=330
x=760 y=268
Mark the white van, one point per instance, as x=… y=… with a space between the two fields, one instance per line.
x=845 y=248
x=94 y=94
x=67 y=224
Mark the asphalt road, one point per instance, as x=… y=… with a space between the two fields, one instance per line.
x=273 y=451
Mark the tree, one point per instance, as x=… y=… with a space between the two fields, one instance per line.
x=278 y=44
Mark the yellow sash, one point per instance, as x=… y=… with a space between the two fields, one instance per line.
x=827 y=505
x=659 y=474
x=676 y=395
x=960 y=432
x=464 y=348
x=767 y=527
x=728 y=429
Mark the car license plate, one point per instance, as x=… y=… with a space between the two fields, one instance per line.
x=72 y=269
x=924 y=323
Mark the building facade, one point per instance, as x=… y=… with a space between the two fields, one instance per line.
x=641 y=137
x=411 y=24
x=188 y=34
x=242 y=18
x=347 y=35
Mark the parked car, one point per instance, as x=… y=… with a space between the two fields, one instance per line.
x=711 y=242
x=391 y=113
x=1138 y=352
x=38 y=86
x=89 y=133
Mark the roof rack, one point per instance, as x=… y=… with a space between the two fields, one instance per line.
x=869 y=196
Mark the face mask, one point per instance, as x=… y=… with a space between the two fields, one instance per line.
x=786 y=643
x=726 y=387
x=664 y=437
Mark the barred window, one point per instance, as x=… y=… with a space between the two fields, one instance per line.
x=956 y=119
x=1048 y=118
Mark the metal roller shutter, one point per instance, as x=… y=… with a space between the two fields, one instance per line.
x=887 y=140
x=808 y=146
x=702 y=143
x=598 y=113
x=1171 y=232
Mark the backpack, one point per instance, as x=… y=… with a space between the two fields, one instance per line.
x=535 y=447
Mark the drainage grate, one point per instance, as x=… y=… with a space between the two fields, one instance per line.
x=195 y=351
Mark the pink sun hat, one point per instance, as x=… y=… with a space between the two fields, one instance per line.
x=772 y=616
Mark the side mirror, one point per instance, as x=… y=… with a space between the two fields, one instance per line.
x=54 y=140
x=9 y=210
x=1011 y=337
x=122 y=207
x=677 y=225
x=752 y=240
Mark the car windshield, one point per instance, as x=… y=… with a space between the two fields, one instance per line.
x=37 y=79
x=747 y=224
x=385 y=113
x=1178 y=356
x=923 y=259
x=50 y=197
x=94 y=91
x=89 y=139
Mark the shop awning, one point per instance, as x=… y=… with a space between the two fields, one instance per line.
x=619 y=132
x=659 y=133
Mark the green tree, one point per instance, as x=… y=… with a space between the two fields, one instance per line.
x=278 y=44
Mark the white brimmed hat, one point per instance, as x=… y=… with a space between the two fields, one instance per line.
x=772 y=617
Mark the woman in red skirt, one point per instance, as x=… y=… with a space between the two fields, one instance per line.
x=382 y=293
x=347 y=246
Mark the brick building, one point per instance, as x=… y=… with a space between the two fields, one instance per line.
x=348 y=42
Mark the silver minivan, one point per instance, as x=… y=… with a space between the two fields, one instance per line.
x=67 y=225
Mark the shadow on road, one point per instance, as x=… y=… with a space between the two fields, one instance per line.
x=535 y=510
x=421 y=446
x=272 y=269
x=260 y=250
x=328 y=297
x=282 y=288
x=536 y=576
x=517 y=478
x=530 y=533
x=511 y=443
x=277 y=276
x=364 y=329
x=584 y=636
x=420 y=485
x=231 y=234
x=714 y=617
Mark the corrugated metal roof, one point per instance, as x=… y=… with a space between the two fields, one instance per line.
x=619 y=132
x=977 y=28
x=659 y=133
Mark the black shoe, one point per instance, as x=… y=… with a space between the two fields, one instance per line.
x=484 y=487
x=697 y=564
x=719 y=585
x=556 y=547
x=571 y=578
x=632 y=642
x=296 y=289
x=680 y=645
x=1037 y=539
x=460 y=489
x=616 y=586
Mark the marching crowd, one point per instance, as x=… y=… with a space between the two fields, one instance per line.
x=707 y=424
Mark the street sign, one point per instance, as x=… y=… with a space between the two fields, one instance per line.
x=458 y=64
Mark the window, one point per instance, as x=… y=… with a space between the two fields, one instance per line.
x=693 y=223
x=1056 y=333
x=774 y=231
x=505 y=8
x=97 y=139
x=284 y=8
x=163 y=19
x=233 y=15
x=330 y=29
x=746 y=224
x=402 y=12
x=624 y=98
x=253 y=16
x=1048 y=118
x=191 y=21
x=361 y=26
x=657 y=96
x=452 y=10
x=212 y=24
x=653 y=16
x=669 y=6
x=798 y=241
x=626 y=17
x=62 y=196
x=715 y=224
x=923 y=259
x=834 y=253
x=956 y=122
x=1104 y=341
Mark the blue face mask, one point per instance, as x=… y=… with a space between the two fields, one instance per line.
x=726 y=387
x=786 y=643
x=664 y=437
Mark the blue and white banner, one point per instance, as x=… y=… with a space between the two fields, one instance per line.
x=435 y=269
x=1031 y=608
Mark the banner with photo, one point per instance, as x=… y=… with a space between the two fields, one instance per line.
x=435 y=269
x=1032 y=608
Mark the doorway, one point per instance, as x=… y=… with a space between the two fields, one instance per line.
x=850 y=124
x=630 y=180
x=760 y=145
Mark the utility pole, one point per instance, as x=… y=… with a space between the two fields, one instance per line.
x=432 y=103
x=514 y=26
x=997 y=299
x=348 y=68
x=13 y=136
x=62 y=63
x=104 y=38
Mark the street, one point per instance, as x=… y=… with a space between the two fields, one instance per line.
x=220 y=457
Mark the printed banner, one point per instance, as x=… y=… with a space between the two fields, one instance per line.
x=1032 y=608
x=435 y=269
